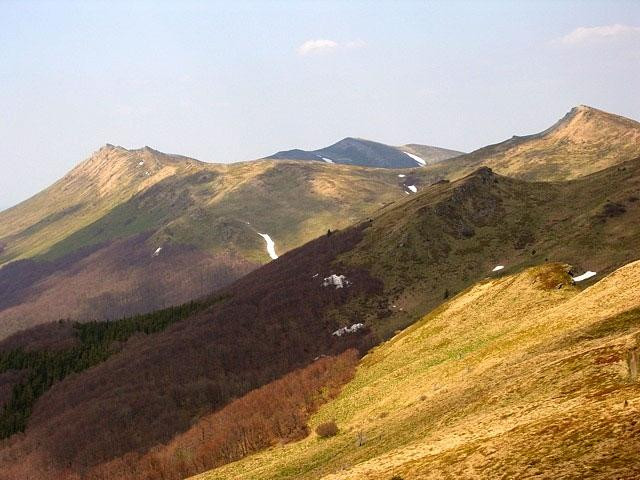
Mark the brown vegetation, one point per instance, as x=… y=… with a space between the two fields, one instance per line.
x=274 y=413
x=327 y=429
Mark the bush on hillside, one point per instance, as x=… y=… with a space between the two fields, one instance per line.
x=327 y=429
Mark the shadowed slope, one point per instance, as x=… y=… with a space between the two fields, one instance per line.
x=271 y=322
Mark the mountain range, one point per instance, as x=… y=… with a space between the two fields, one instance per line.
x=442 y=329
x=101 y=241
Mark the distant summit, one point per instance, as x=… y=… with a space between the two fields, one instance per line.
x=366 y=153
x=584 y=141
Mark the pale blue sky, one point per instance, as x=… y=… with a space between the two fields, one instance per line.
x=230 y=81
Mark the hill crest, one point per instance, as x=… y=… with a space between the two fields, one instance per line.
x=583 y=141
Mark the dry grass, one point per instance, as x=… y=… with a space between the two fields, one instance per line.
x=507 y=380
x=585 y=141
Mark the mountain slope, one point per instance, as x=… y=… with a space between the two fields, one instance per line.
x=86 y=225
x=429 y=154
x=282 y=317
x=357 y=151
x=584 y=141
x=512 y=378
x=436 y=243
x=105 y=236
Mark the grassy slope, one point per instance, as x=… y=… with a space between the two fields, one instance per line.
x=453 y=234
x=513 y=378
x=110 y=177
x=111 y=196
x=100 y=194
x=585 y=141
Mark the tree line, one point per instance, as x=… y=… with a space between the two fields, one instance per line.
x=95 y=343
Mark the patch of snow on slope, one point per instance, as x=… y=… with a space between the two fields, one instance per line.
x=416 y=158
x=157 y=252
x=499 y=267
x=328 y=160
x=401 y=175
x=584 y=276
x=339 y=281
x=412 y=188
x=352 y=329
x=271 y=246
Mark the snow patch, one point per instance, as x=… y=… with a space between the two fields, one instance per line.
x=271 y=246
x=328 y=160
x=584 y=276
x=497 y=268
x=352 y=329
x=157 y=252
x=401 y=175
x=339 y=281
x=412 y=188
x=421 y=161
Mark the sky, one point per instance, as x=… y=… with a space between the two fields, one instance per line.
x=238 y=80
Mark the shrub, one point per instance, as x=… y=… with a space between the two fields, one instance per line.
x=327 y=429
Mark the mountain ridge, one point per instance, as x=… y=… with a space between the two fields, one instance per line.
x=363 y=152
x=152 y=209
x=107 y=203
x=584 y=141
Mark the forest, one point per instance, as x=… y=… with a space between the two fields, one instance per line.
x=96 y=342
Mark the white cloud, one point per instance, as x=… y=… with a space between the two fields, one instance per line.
x=585 y=34
x=320 y=45
x=323 y=45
